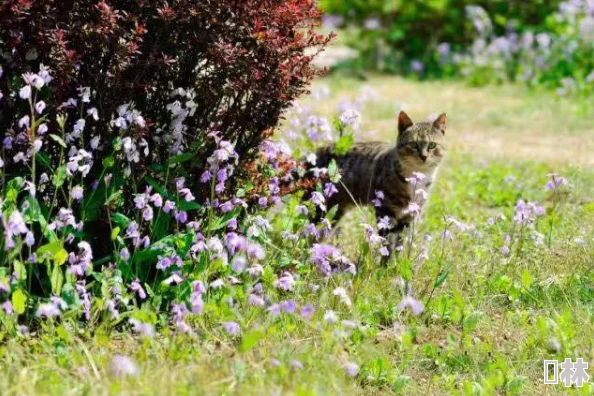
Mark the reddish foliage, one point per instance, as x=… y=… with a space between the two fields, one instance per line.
x=245 y=58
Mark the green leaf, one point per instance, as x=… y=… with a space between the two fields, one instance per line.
x=43 y=159
x=51 y=249
x=187 y=206
x=526 y=279
x=57 y=280
x=154 y=183
x=177 y=159
x=121 y=220
x=19 y=300
x=34 y=213
x=442 y=278
x=344 y=144
x=58 y=140
x=20 y=270
x=60 y=257
x=59 y=176
x=250 y=340
x=115 y=232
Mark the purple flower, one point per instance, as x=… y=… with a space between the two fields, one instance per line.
x=318 y=200
x=206 y=177
x=274 y=310
x=232 y=224
x=47 y=310
x=25 y=92
x=256 y=300
x=556 y=182
x=302 y=210
x=263 y=201
x=232 y=328
x=285 y=282
x=296 y=364
x=384 y=223
x=351 y=369
x=330 y=317
x=379 y=197
x=409 y=302
x=29 y=239
x=122 y=366
x=307 y=311
x=7 y=307
x=255 y=251
x=186 y=194
x=288 y=306
x=350 y=117
x=182 y=217
x=147 y=213
x=137 y=287
x=505 y=251
x=417 y=66
x=169 y=206
x=125 y=254
x=139 y=327
x=77 y=193
x=372 y=23
x=238 y=264
x=157 y=200
x=330 y=190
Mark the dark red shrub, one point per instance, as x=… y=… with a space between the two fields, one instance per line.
x=246 y=59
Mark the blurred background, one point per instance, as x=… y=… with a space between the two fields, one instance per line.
x=516 y=78
x=546 y=43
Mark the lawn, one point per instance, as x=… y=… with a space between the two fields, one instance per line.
x=500 y=296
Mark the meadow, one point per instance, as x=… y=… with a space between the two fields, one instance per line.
x=501 y=262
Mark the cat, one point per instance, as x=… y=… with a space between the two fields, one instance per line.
x=370 y=169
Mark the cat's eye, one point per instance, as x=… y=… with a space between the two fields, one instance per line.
x=432 y=146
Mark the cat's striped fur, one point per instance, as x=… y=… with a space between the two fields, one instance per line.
x=378 y=166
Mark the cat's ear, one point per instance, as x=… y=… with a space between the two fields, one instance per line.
x=404 y=122
x=440 y=123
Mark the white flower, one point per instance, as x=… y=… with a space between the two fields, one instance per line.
x=25 y=92
x=93 y=113
x=40 y=106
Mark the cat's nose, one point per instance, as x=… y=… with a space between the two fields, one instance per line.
x=423 y=157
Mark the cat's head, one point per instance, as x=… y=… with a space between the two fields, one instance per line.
x=421 y=146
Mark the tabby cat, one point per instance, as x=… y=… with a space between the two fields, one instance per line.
x=371 y=167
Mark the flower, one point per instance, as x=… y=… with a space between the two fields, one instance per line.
x=350 y=117
x=232 y=328
x=409 y=302
x=285 y=282
x=351 y=369
x=307 y=311
x=77 y=193
x=417 y=66
x=25 y=92
x=122 y=366
x=296 y=364
x=139 y=327
x=47 y=310
x=7 y=307
x=330 y=317
x=137 y=287
x=556 y=182
x=342 y=294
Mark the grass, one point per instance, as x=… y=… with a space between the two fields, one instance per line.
x=488 y=324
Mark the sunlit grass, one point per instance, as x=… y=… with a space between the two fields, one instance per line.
x=487 y=325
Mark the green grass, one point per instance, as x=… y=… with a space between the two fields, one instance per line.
x=488 y=323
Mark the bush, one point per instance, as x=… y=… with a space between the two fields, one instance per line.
x=558 y=55
x=124 y=129
x=243 y=63
x=403 y=35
